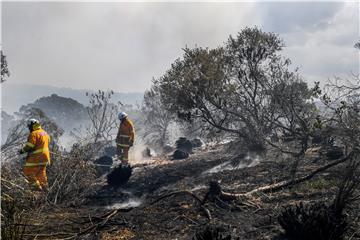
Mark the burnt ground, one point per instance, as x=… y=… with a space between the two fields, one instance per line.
x=131 y=213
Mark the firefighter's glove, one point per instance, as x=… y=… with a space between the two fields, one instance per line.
x=21 y=151
x=131 y=143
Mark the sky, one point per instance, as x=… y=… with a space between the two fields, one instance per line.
x=122 y=46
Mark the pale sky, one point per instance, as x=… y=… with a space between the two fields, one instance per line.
x=122 y=46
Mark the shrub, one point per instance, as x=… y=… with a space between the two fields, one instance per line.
x=13 y=223
x=70 y=179
x=312 y=222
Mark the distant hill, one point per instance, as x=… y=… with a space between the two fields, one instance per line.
x=66 y=112
x=16 y=95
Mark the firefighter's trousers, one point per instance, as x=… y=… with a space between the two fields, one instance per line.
x=36 y=175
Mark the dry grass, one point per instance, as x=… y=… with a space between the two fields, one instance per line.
x=122 y=234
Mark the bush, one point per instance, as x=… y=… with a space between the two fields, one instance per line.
x=70 y=179
x=312 y=222
x=13 y=224
x=15 y=200
x=244 y=89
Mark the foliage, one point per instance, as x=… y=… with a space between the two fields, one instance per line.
x=321 y=221
x=7 y=122
x=349 y=184
x=316 y=221
x=18 y=134
x=357 y=45
x=70 y=178
x=13 y=225
x=15 y=201
x=4 y=68
x=342 y=100
x=244 y=88
x=156 y=119
x=103 y=116
x=318 y=184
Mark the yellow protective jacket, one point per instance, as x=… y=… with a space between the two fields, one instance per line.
x=126 y=133
x=37 y=148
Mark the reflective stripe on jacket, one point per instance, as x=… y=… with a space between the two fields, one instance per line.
x=37 y=148
x=126 y=133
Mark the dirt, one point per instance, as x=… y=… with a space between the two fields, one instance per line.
x=179 y=216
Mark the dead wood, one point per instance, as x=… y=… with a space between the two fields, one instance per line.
x=96 y=223
x=215 y=190
x=202 y=207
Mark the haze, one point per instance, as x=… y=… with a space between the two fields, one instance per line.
x=122 y=46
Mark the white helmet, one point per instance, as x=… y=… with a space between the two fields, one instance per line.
x=122 y=115
x=30 y=122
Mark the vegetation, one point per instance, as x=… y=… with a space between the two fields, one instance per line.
x=103 y=116
x=244 y=91
x=67 y=112
x=244 y=88
x=17 y=135
x=156 y=119
x=5 y=73
x=316 y=221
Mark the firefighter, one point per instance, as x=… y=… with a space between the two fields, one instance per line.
x=125 y=137
x=37 y=148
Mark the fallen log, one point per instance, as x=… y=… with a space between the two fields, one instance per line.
x=216 y=191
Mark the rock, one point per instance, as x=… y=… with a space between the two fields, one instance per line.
x=119 y=176
x=110 y=151
x=104 y=165
x=197 y=143
x=256 y=147
x=180 y=154
x=317 y=139
x=168 y=149
x=334 y=152
x=184 y=144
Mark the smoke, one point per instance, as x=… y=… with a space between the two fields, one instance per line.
x=129 y=203
x=231 y=165
x=132 y=202
x=66 y=141
x=136 y=155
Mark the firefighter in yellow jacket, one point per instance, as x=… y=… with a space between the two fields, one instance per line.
x=125 y=137
x=37 y=148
